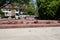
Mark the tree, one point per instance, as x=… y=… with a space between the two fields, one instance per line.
x=20 y=1
x=47 y=8
x=30 y=10
x=2 y=2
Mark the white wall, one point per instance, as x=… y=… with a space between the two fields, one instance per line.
x=9 y=12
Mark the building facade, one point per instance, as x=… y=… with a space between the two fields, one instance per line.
x=16 y=11
x=10 y=10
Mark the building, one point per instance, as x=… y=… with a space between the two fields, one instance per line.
x=17 y=11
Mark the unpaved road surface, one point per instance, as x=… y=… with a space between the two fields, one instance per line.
x=45 y=33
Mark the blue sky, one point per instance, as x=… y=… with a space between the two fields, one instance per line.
x=35 y=3
x=34 y=0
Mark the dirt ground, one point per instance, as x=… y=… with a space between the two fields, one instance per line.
x=46 y=33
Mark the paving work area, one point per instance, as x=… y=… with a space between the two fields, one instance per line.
x=46 y=33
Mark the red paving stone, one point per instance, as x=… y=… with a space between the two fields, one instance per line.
x=28 y=23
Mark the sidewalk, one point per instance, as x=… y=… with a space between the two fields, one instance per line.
x=46 y=33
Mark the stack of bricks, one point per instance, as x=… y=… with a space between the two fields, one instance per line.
x=28 y=23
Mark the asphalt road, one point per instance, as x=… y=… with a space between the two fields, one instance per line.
x=45 y=33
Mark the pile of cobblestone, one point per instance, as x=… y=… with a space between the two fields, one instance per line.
x=28 y=23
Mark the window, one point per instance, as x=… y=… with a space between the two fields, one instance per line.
x=7 y=14
x=9 y=9
x=17 y=14
x=17 y=10
x=3 y=9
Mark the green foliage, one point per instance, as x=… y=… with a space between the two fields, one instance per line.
x=47 y=8
x=30 y=10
